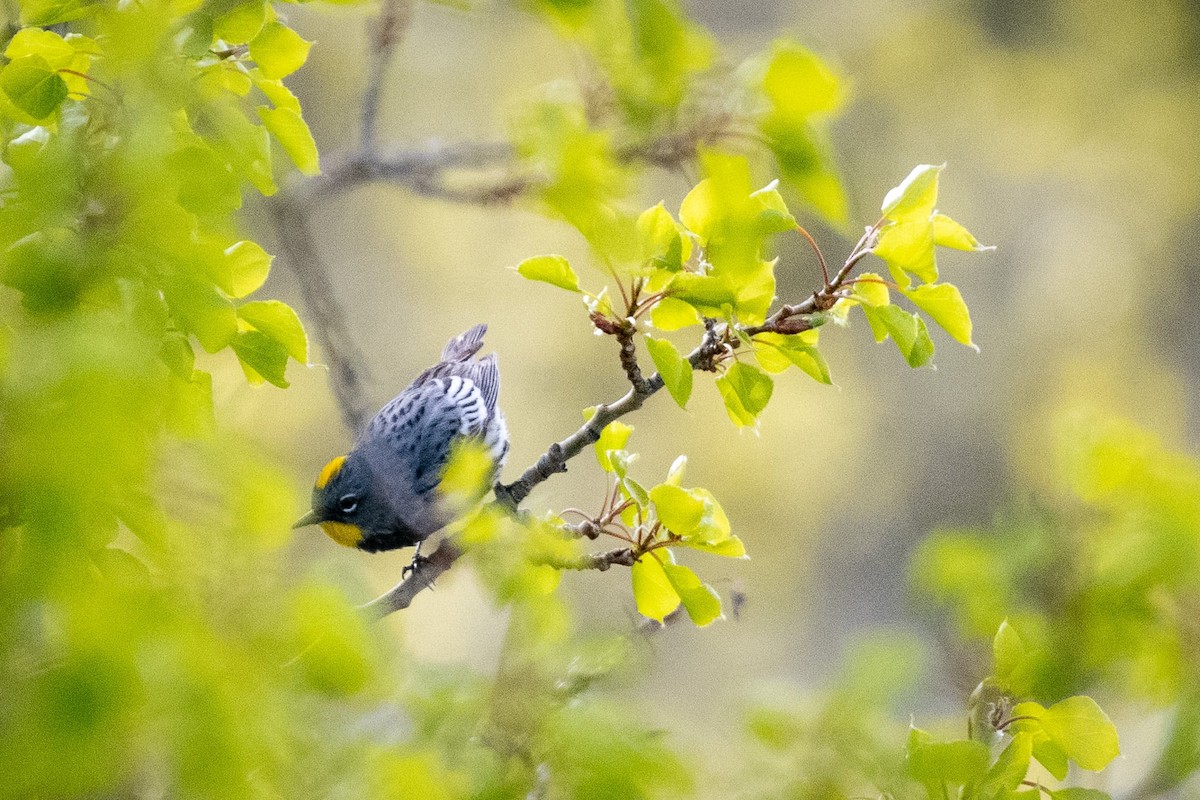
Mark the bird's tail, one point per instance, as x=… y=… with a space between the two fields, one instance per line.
x=465 y=345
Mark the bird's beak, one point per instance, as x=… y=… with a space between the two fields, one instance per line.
x=311 y=518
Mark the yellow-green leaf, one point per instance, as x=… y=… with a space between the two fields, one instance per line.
x=800 y=84
x=32 y=86
x=907 y=247
x=907 y=330
x=242 y=22
x=1010 y=768
x=870 y=289
x=948 y=233
x=700 y=210
x=733 y=547
x=746 y=391
x=278 y=50
x=916 y=195
x=652 y=590
x=262 y=358
x=290 y=130
x=1081 y=728
x=661 y=238
x=678 y=509
x=676 y=371
x=944 y=303
x=670 y=314
x=700 y=601
x=613 y=437
x=248 y=265
x=1007 y=650
x=280 y=322
x=554 y=270
x=776 y=352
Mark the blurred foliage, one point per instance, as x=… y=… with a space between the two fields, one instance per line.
x=155 y=641
x=1098 y=573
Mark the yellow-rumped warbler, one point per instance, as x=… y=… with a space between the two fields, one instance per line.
x=383 y=495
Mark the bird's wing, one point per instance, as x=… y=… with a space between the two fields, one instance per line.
x=419 y=426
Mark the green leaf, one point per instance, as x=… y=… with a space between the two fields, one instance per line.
x=938 y=763
x=676 y=371
x=944 y=303
x=732 y=547
x=275 y=91
x=190 y=405
x=262 y=358
x=206 y=184
x=948 y=233
x=635 y=491
x=278 y=50
x=201 y=310
x=773 y=213
x=553 y=270
x=177 y=354
x=800 y=84
x=613 y=437
x=241 y=22
x=907 y=330
x=290 y=130
x=670 y=314
x=746 y=391
x=661 y=239
x=678 y=509
x=700 y=600
x=675 y=473
x=249 y=266
x=33 y=86
x=706 y=293
x=1081 y=728
x=700 y=210
x=52 y=12
x=907 y=247
x=1008 y=651
x=652 y=590
x=280 y=322
x=776 y=352
x=1009 y=770
x=714 y=526
x=1076 y=793
x=916 y=195
x=1048 y=753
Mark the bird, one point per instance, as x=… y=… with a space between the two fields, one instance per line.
x=383 y=494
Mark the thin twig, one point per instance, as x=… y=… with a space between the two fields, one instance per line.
x=424 y=573
x=386 y=30
x=347 y=364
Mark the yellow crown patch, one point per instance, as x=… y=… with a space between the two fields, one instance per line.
x=330 y=471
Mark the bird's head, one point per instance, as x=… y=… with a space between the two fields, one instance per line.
x=341 y=503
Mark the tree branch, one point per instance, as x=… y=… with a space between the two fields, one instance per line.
x=425 y=571
x=347 y=365
x=555 y=458
x=385 y=32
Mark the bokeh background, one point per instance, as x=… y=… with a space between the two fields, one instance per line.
x=1070 y=131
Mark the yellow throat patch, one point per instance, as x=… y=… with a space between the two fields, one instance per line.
x=344 y=533
x=329 y=471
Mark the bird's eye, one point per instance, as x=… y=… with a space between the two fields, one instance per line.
x=348 y=503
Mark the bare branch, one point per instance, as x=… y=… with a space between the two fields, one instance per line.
x=629 y=360
x=424 y=573
x=385 y=31
x=347 y=365
x=555 y=458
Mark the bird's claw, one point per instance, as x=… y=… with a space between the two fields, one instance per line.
x=418 y=561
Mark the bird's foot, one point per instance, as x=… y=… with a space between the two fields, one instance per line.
x=418 y=562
